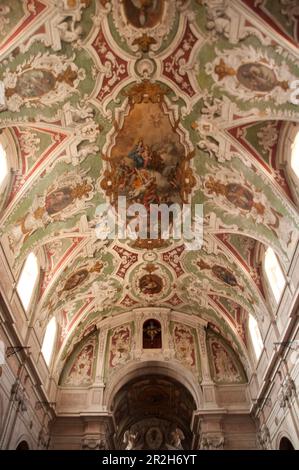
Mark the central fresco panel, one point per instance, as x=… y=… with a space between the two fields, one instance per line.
x=147 y=158
x=148 y=163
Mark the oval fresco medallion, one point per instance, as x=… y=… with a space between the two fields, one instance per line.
x=76 y=279
x=257 y=77
x=35 y=83
x=150 y=284
x=224 y=275
x=144 y=13
x=59 y=199
x=239 y=196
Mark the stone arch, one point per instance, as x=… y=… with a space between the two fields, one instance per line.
x=285 y=444
x=22 y=438
x=23 y=445
x=283 y=438
x=167 y=369
x=161 y=404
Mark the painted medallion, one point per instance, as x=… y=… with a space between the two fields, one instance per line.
x=144 y=13
x=257 y=77
x=35 y=83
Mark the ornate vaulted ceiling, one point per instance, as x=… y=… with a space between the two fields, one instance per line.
x=205 y=85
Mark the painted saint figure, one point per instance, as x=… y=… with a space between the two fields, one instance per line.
x=136 y=155
x=120 y=346
x=176 y=438
x=81 y=370
x=184 y=345
x=225 y=369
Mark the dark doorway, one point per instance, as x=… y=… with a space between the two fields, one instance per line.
x=23 y=446
x=285 y=444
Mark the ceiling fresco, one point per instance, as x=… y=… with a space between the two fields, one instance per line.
x=162 y=102
x=282 y=16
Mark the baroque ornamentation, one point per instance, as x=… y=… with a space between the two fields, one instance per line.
x=94 y=443
x=146 y=117
x=4 y=11
x=179 y=67
x=120 y=346
x=64 y=26
x=112 y=69
x=263 y=437
x=210 y=442
x=130 y=439
x=151 y=282
x=64 y=198
x=290 y=9
x=42 y=80
x=175 y=440
x=221 y=273
x=225 y=370
x=236 y=195
x=81 y=371
x=288 y=391
x=251 y=74
x=218 y=19
x=184 y=344
x=268 y=136
x=133 y=18
x=17 y=394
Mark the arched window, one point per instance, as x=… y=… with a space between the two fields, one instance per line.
x=3 y=166
x=49 y=340
x=274 y=274
x=152 y=338
x=287 y=157
x=28 y=279
x=255 y=336
x=295 y=156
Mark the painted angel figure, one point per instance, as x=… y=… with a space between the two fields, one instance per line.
x=69 y=32
x=217 y=18
x=136 y=154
